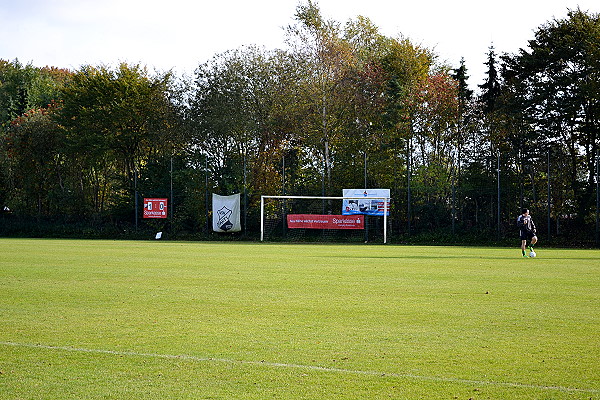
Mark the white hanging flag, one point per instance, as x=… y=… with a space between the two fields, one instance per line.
x=226 y=213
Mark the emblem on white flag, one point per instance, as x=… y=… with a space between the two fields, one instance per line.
x=226 y=213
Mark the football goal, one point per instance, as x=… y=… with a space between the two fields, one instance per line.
x=302 y=218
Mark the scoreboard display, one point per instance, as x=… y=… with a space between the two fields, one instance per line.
x=155 y=208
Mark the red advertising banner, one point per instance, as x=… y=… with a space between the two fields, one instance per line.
x=155 y=208
x=311 y=221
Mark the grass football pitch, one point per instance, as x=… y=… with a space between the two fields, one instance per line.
x=176 y=320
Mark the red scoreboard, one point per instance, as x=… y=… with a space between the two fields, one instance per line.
x=155 y=208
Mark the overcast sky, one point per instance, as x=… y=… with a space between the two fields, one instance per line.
x=181 y=34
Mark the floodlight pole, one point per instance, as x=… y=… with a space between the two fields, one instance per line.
x=498 y=210
x=408 y=193
x=366 y=216
x=548 y=201
x=206 y=192
x=245 y=196
x=597 y=198
x=136 y=195
x=172 y=206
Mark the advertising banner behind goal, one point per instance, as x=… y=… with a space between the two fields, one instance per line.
x=312 y=221
x=367 y=204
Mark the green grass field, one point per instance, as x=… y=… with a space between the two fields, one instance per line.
x=174 y=320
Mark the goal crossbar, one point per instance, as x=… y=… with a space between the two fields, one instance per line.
x=386 y=202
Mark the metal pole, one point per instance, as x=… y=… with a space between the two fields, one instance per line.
x=453 y=208
x=520 y=172
x=597 y=198
x=498 y=194
x=366 y=216
x=548 y=201
x=323 y=192
x=206 y=192
x=283 y=203
x=136 y=196
x=365 y=159
x=172 y=201
x=408 y=162
x=453 y=202
x=245 y=196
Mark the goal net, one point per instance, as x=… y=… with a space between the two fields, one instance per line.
x=318 y=218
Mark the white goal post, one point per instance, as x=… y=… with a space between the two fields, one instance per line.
x=386 y=202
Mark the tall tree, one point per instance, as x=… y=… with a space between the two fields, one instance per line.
x=242 y=108
x=360 y=83
x=329 y=59
x=29 y=143
x=489 y=144
x=35 y=148
x=490 y=89
x=116 y=120
x=558 y=80
x=25 y=87
x=465 y=95
x=466 y=110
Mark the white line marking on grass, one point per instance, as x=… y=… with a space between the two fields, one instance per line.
x=300 y=366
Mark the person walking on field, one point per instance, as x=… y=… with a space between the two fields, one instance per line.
x=527 y=231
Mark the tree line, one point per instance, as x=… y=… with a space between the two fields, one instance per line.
x=342 y=106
